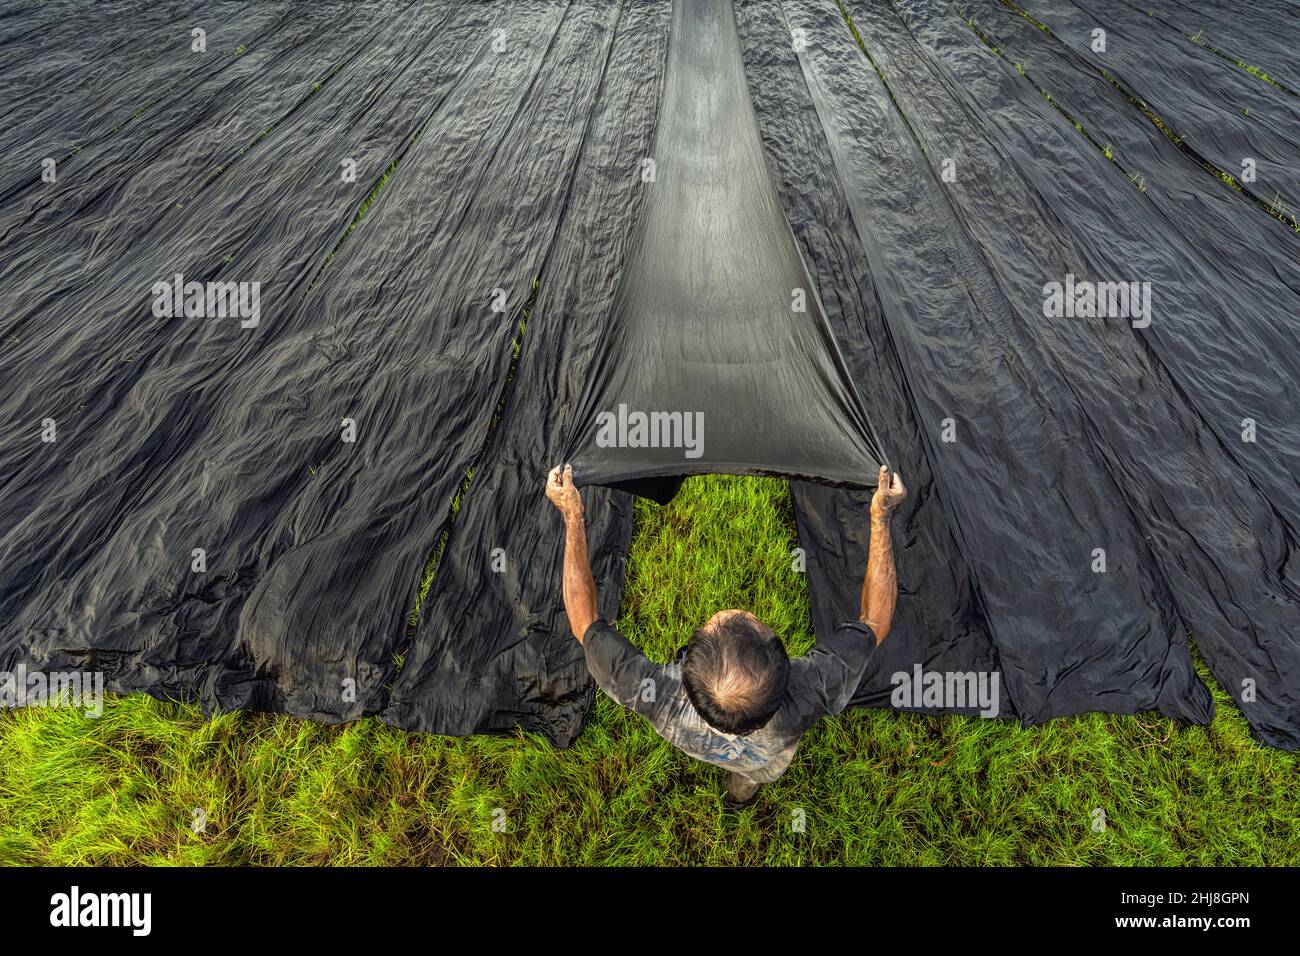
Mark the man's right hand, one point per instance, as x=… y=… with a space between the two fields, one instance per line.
x=880 y=584
x=562 y=492
x=580 y=602
x=889 y=494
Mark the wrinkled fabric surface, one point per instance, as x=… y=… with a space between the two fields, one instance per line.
x=1086 y=491
x=717 y=356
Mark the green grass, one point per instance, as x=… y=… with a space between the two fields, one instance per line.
x=873 y=787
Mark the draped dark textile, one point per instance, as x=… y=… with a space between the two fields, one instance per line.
x=658 y=239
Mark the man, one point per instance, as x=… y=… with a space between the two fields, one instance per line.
x=733 y=699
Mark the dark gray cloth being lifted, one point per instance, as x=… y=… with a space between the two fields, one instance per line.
x=718 y=356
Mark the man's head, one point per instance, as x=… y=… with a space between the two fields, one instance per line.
x=735 y=672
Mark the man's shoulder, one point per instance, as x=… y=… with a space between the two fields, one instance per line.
x=850 y=641
x=629 y=677
x=851 y=637
x=823 y=680
x=613 y=659
x=605 y=644
x=601 y=629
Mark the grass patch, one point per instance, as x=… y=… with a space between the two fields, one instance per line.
x=873 y=787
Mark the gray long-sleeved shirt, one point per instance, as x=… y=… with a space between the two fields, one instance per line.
x=821 y=683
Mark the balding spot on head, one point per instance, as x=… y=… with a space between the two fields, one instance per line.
x=735 y=673
x=732 y=688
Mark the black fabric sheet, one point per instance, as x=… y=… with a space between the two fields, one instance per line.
x=939 y=622
x=493 y=648
x=717 y=356
x=1088 y=494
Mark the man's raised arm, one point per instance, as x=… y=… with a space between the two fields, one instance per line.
x=579 y=584
x=880 y=585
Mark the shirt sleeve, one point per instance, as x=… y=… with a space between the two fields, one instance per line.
x=824 y=680
x=618 y=668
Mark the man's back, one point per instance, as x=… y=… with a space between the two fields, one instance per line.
x=821 y=682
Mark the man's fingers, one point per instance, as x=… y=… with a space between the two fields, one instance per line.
x=568 y=474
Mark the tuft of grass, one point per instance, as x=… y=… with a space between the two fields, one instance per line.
x=152 y=782
x=1257 y=72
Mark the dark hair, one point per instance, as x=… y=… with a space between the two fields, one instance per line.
x=735 y=674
